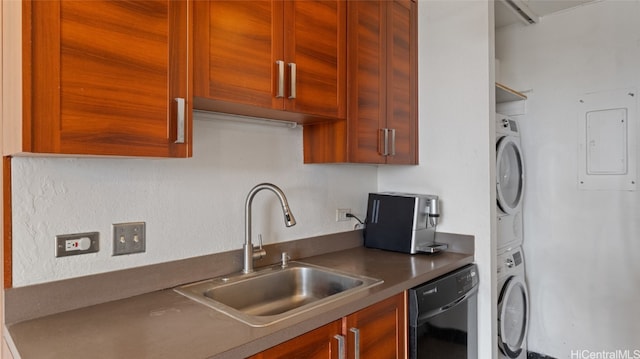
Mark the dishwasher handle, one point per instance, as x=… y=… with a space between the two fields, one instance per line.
x=423 y=317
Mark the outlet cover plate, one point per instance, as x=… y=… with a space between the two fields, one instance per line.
x=341 y=214
x=129 y=238
x=61 y=241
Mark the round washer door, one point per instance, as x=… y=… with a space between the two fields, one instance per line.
x=509 y=174
x=513 y=316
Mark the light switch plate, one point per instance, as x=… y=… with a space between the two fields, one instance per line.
x=129 y=238
x=77 y=243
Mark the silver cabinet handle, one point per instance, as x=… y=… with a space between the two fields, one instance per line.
x=280 y=64
x=393 y=142
x=292 y=68
x=340 y=339
x=180 y=120
x=356 y=342
x=385 y=141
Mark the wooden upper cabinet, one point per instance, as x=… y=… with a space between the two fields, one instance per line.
x=234 y=43
x=382 y=124
x=272 y=58
x=315 y=42
x=102 y=78
x=367 y=80
x=402 y=81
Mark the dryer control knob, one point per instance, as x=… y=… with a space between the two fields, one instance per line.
x=509 y=263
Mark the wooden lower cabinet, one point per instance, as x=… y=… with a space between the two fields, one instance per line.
x=316 y=344
x=381 y=328
x=378 y=331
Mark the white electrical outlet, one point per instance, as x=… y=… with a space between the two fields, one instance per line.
x=79 y=243
x=341 y=214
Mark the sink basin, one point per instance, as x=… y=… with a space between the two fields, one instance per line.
x=274 y=293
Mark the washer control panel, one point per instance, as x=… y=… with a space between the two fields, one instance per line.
x=509 y=124
x=517 y=258
x=506 y=125
x=509 y=260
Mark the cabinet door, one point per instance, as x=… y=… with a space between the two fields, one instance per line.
x=383 y=82
x=315 y=41
x=379 y=331
x=358 y=138
x=101 y=77
x=382 y=90
x=288 y=56
x=367 y=76
x=402 y=77
x=236 y=46
x=316 y=344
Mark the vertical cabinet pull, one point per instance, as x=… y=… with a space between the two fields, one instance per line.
x=385 y=141
x=340 y=340
x=356 y=342
x=292 y=68
x=180 y=120
x=388 y=142
x=280 y=92
x=393 y=142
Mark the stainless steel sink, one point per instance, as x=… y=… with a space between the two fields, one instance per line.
x=274 y=293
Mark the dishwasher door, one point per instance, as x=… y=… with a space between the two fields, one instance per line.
x=443 y=316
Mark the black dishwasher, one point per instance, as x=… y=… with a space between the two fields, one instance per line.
x=443 y=316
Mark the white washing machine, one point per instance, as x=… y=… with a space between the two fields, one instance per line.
x=513 y=305
x=509 y=182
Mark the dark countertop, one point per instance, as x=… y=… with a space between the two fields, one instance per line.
x=165 y=324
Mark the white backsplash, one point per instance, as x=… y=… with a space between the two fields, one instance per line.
x=192 y=207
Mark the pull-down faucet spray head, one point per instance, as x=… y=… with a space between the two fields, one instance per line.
x=289 y=219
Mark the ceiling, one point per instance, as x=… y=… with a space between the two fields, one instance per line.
x=505 y=15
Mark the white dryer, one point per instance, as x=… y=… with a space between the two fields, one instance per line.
x=513 y=305
x=509 y=182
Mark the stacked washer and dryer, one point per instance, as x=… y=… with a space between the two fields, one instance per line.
x=513 y=297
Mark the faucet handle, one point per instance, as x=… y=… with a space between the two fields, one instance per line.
x=258 y=252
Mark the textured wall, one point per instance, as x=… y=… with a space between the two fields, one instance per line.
x=582 y=252
x=191 y=206
x=456 y=124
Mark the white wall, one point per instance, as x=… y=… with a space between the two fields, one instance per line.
x=191 y=206
x=582 y=248
x=457 y=140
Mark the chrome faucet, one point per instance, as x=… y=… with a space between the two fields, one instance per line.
x=249 y=251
